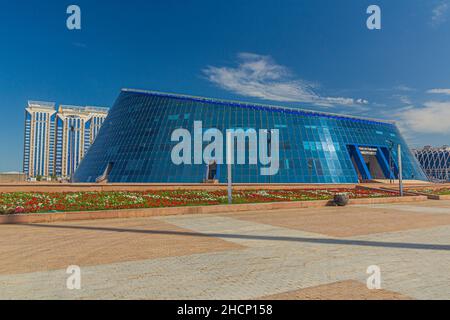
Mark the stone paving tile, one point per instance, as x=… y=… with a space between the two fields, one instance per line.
x=271 y=260
x=420 y=271
x=420 y=208
x=409 y=260
x=349 y=221
x=432 y=204
x=248 y=273
x=343 y=290
x=42 y=247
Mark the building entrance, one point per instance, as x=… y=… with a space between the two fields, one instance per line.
x=372 y=162
x=212 y=172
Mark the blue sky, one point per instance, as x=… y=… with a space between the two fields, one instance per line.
x=315 y=54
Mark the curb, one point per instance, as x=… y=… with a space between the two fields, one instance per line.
x=153 y=212
x=432 y=196
x=95 y=187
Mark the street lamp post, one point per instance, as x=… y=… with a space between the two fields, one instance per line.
x=269 y=144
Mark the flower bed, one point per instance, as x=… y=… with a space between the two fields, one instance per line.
x=433 y=191
x=38 y=202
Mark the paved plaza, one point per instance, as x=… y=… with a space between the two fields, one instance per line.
x=320 y=253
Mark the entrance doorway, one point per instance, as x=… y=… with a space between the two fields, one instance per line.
x=212 y=172
x=370 y=162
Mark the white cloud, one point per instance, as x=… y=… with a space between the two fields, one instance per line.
x=403 y=87
x=431 y=118
x=403 y=98
x=362 y=101
x=439 y=91
x=261 y=77
x=79 y=44
x=439 y=13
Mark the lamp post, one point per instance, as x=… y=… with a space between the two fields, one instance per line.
x=269 y=145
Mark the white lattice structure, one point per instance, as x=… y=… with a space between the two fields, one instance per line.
x=435 y=162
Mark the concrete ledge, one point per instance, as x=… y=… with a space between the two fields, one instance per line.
x=153 y=212
x=95 y=187
x=434 y=196
x=431 y=196
x=409 y=198
x=406 y=192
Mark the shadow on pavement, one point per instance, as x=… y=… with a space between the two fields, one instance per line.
x=398 y=245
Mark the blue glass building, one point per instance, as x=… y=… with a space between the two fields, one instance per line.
x=134 y=144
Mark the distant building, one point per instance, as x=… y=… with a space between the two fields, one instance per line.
x=57 y=139
x=39 y=139
x=435 y=162
x=12 y=177
x=76 y=129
